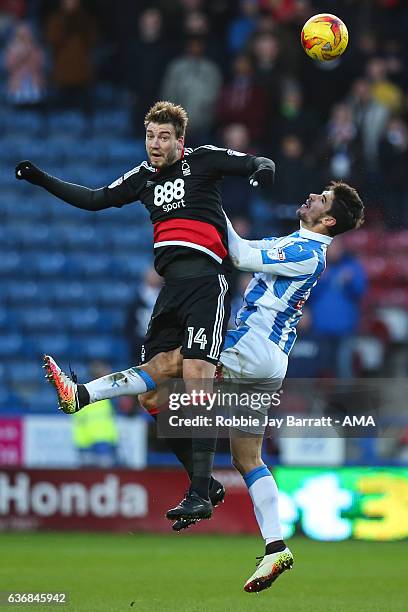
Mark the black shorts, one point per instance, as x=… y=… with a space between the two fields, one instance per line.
x=192 y=313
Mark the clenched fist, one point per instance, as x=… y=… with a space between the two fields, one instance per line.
x=29 y=172
x=264 y=175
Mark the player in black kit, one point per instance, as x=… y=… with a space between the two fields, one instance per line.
x=179 y=187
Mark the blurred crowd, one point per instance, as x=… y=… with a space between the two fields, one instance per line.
x=239 y=70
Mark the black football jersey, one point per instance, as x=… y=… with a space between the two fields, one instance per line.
x=184 y=201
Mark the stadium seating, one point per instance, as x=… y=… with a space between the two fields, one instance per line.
x=66 y=275
x=383 y=255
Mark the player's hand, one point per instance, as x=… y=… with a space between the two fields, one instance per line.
x=263 y=177
x=29 y=172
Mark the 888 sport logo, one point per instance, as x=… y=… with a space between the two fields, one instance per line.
x=170 y=195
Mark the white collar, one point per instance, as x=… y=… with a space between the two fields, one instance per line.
x=305 y=233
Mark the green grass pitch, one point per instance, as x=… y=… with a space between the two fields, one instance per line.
x=196 y=573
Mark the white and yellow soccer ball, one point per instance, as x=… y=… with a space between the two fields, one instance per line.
x=324 y=37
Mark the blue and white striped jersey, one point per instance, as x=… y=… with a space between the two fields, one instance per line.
x=286 y=269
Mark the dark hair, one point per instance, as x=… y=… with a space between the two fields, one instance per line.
x=347 y=208
x=167 y=112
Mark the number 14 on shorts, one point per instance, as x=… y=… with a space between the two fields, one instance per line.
x=196 y=338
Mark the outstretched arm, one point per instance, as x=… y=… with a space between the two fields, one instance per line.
x=289 y=261
x=81 y=197
x=123 y=191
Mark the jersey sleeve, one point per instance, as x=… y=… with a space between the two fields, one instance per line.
x=128 y=187
x=286 y=261
x=291 y=260
x=222 y=162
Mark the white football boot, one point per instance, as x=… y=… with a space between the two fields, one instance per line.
x=268 y=569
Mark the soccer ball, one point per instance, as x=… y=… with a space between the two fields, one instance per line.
x=324 y=37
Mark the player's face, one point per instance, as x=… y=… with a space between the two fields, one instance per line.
x=315 y=211
x=162 y=145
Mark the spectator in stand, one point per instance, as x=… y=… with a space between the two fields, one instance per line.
x=194 y=81
x=178 y=20
x=264 y=49
x=292 y=116
x=382 y=88
x=370 y=118
x=139 y=312
x=94 y=431
x=242 y=101
x=243 y=25
x=236 y=197
x=25 y=65
x=394 y=164
x=147 y=55
x=340 y=146
x=296 y=176
x=196 y=24
x=335 y=306
x=72 y=34
x=364 y=49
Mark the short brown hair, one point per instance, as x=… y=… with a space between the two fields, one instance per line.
x=167 y=112
x=347 y=208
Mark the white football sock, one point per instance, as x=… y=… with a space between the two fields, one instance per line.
x=128 y=382
x=264 y=494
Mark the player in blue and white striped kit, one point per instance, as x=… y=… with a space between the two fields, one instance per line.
x=286 y=269
x=273 y=301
